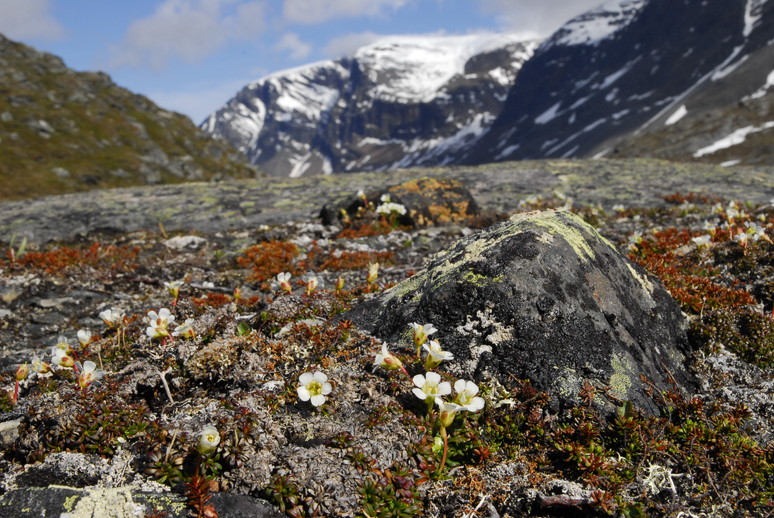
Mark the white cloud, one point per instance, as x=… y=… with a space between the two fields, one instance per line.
x=347 y=45
x=188 y=30
x=535 y=18
x=293 y=44
x=25 y=19
x=318 y=11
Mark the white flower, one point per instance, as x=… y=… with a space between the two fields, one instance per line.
x=283 y=281
x=447 y=411
x=39 y=367
x=755 y=232
x=60 y=358
x=430 y=386
x=435 y=355
x=173 y=288
x=159 y=323
x=314 y=387
x=312 y=283
x=88 y=373
x=185 y=329
x=421 y=332
x=64 y=345
x=701 y=241
x=84 y=337
x=112 y=317
x=466 y=396
x=635 y=239
x=387 y=360
x=391 y=208
x=208 y=440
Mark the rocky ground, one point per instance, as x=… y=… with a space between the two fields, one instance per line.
x=370 y=449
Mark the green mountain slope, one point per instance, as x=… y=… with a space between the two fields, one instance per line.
x=65 y=131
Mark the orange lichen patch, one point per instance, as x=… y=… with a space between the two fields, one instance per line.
x=59 y=259
x=270 y=258
x=423 y=185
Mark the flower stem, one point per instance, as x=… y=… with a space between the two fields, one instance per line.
x=445 y=449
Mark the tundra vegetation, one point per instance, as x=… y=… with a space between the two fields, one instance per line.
x=208 y=346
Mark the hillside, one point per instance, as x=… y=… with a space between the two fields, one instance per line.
x=65 y=131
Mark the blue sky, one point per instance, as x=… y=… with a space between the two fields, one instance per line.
x=191 y=56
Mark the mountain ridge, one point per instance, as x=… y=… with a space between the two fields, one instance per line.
x=402 y=101
x=611 y=81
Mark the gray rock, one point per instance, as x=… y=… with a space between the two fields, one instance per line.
x=544 y=297
x=121 y=502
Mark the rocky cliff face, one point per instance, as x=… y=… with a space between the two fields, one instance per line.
x=64 y=131
x=403 y=101
x=632 y=68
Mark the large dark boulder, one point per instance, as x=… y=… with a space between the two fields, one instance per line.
x=543 y=297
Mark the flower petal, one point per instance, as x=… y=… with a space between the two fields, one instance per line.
x=303 y=393
x=418 y=393
x=318 y=400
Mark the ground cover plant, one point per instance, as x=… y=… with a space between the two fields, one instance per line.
x=218 y=361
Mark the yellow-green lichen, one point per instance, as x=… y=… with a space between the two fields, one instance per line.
x=480 y=280
x=69 y=503
x=554 y=222
x=567 y=384
x=621 y=379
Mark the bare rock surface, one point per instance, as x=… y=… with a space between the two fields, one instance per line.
x=230 y=205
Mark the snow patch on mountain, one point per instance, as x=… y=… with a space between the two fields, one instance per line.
x=416 y=68
x=596 y=24
x=733 y=139
x=763 y=90
x=752 y=14
x=679 y=113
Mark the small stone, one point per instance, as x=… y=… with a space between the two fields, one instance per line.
x=185 y=243
x=61 y=172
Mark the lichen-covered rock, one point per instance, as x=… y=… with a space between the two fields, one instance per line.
x=121 y=502
x=428 y=201
x=541 y=296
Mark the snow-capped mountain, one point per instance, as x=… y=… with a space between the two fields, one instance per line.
x=402 y=101
x=676 y=79
x=667 y=78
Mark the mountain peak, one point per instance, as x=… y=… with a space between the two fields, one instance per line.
x=400 y=101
